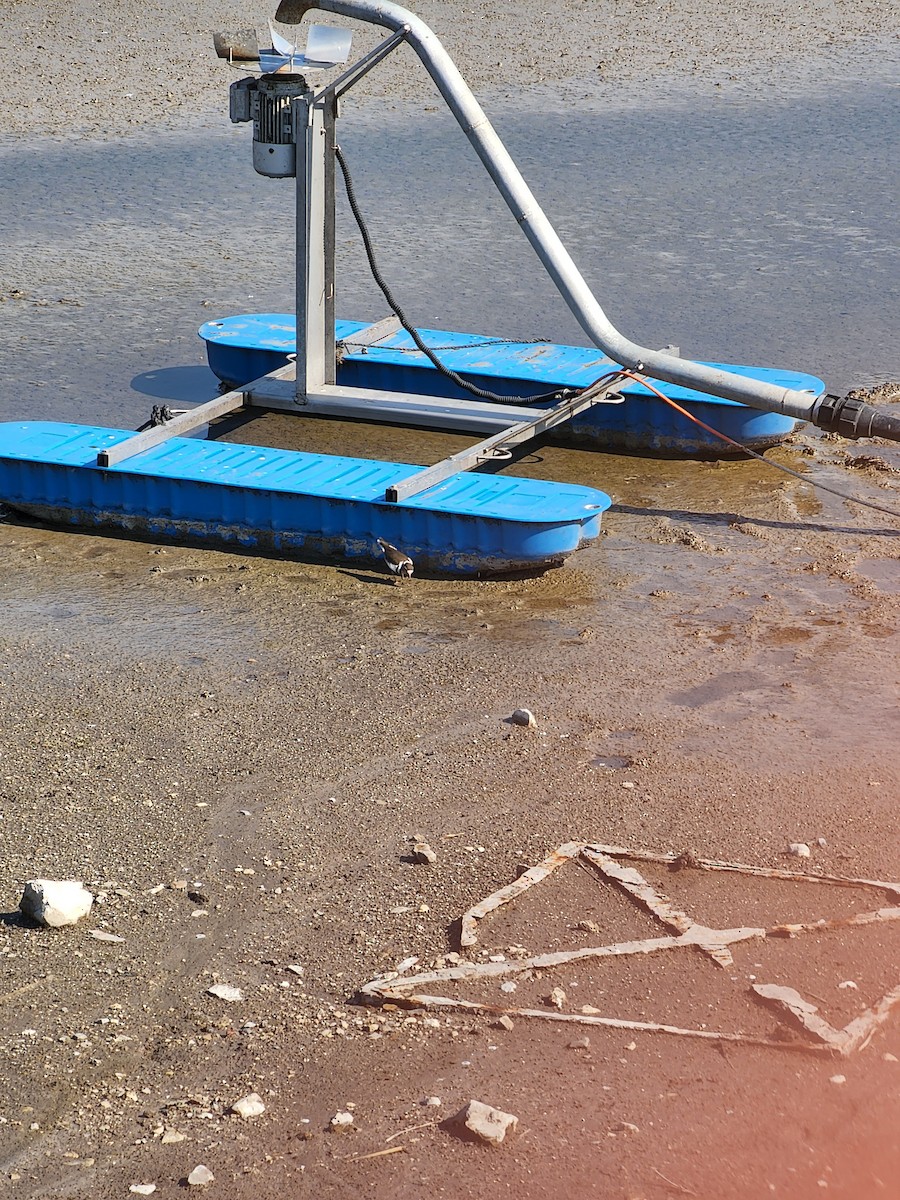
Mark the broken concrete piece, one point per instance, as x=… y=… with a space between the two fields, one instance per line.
x=524 y=717
x=423 y=853
x=55 y=902
x=224 y=991
x=249 y=1106
x=200 y=1176
x=491 y=1125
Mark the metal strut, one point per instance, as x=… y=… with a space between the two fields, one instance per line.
x=555 y=258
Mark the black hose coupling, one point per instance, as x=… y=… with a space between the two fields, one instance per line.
x=855 y=419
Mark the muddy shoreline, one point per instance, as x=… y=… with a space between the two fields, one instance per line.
x=236 y=753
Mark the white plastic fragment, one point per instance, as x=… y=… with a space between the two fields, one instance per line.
x=200 y=1176
x=489 y=1124
x=524 y=717
x=799 y=849
x=225 y=991
x=55 y=902
x=249 y=1106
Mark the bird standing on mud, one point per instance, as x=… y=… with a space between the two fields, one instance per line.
x=398 y=563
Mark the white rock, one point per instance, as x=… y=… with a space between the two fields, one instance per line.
x=432 y=1102
x=248 y=1106
x=489 y=1124
x=172 y=1136
x=200 y=1176
x=799 y=849
x=849 y=985
x=143 y=1189
x=423 y=853
x=821 y=843
x=342 y=1120
x=55 y=902
x=524 y=716
x=556 y=999
x=625 y=1127
x=224 y=991
x=102 y=936
x=506 y=1023
x=838 y=1079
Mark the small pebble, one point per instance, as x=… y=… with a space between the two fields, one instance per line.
x=799 y=850
x=200 y=1176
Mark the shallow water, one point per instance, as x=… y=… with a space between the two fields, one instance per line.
x=755 y=231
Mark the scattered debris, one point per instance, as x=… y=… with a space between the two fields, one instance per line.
x=388 y=989
x=249 y=1106
x=423 y=853
x=799 y=849
x=224 y=991
x=685 y=862
x=491 y=1125
x=524 y=717
x=341 y=1120
x=376 y=1154
x=588 y=926
x=625 y=1127
x=200 y=1176
x=55 y=902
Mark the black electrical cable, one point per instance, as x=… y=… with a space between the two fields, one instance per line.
x=559 y=394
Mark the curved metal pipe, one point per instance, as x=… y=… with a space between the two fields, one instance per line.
x=537 y=228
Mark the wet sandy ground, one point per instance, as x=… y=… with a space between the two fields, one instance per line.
x=272 y=734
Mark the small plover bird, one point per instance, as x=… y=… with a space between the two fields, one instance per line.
x=398 y=562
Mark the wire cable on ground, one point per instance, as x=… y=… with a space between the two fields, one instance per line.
x=558 y=394
x=824 y=487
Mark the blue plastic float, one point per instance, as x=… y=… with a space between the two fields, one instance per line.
x=242 y=348
x=289 y=501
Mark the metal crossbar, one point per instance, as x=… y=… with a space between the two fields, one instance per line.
x=605 y=391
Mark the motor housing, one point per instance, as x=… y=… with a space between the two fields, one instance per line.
x=266 y=101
